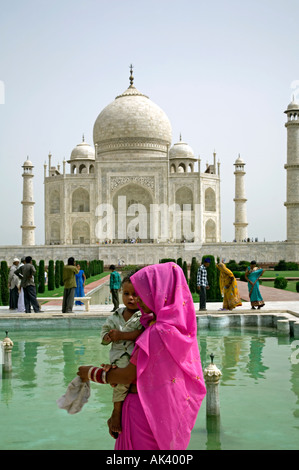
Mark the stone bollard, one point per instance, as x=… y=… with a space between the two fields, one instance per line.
x=212 y=377
x=7 y=348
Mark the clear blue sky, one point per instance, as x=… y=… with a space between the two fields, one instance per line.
x=222 y=71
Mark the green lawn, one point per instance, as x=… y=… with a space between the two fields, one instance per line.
x=281 y=274
x=59 y=291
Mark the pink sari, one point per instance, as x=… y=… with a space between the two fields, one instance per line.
x=169 y=374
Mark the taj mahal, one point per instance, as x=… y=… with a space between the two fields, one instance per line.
x=134 y=196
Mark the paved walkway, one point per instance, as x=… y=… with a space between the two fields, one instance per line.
x=276 y=300
x=87 y=289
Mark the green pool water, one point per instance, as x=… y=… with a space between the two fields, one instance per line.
x=259 y=392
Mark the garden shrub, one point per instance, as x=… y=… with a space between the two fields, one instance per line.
x=41 y=277
x=4 y=294
x=57 y=274
x=280 y=282
x=185 y=270
x=193 y=275
x=51 y=276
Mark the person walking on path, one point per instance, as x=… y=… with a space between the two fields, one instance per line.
x=228 y=288
x=252 y=275
x=80 y=284
x=13 y=285
x=27 y=272
x=69 y=281
x=202 y=283
x=115 y=284
x=165 y=372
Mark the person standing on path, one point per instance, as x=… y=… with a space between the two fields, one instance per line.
x=115 y=284
x=252 y=276
x=69 y=281
x=27 y=272
x=13 y=285
x=202 y=283
x=80 y=284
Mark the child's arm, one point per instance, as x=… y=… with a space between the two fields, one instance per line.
x=105 y=331
x=116 y=335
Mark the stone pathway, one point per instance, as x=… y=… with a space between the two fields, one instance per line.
x=276 y=300
x=87 y=290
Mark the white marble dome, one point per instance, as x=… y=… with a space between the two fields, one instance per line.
x=28 y=163
x=239 y=161
x=293 y=105
x=83 y=151
x=181 y=150
x=130 y=117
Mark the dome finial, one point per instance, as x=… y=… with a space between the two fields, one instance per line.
x=82 y=137
x=131 y=75
x=180 y=137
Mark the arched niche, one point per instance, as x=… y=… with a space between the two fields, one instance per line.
x=210 y=200
x=80 y=200
x=82 y=169
x=210 y=231
x=54 y=202
x=55 y=233
x=183 y=196
x=132 y=208
x=80 y=232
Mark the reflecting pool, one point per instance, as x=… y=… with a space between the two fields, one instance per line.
x=259 y=392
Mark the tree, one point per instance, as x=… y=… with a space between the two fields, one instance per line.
x=193 y=275
x=185 y=270
x=51 y=279
x=61 y=273
x=41 y=277
x=4 y=283
x=57 y=274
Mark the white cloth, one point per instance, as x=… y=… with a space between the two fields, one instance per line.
x=76 y=395
x=21 y=303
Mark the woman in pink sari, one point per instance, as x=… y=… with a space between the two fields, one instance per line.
x=160 y=411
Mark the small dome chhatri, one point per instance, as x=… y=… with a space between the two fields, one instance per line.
x=83 y=151
x=27 y=163
x=181 y=150
x=293 y=105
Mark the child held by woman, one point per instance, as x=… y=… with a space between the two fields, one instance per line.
x=122 y=329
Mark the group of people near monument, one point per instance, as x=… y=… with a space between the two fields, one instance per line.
x=22 y=287
x=22 y=291
x=229 y=287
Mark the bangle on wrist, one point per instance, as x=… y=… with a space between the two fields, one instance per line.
x=89 y=373
x=97 y=375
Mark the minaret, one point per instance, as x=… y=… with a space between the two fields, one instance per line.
x=292 y=167
x=240 y=201
x=28 y=227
